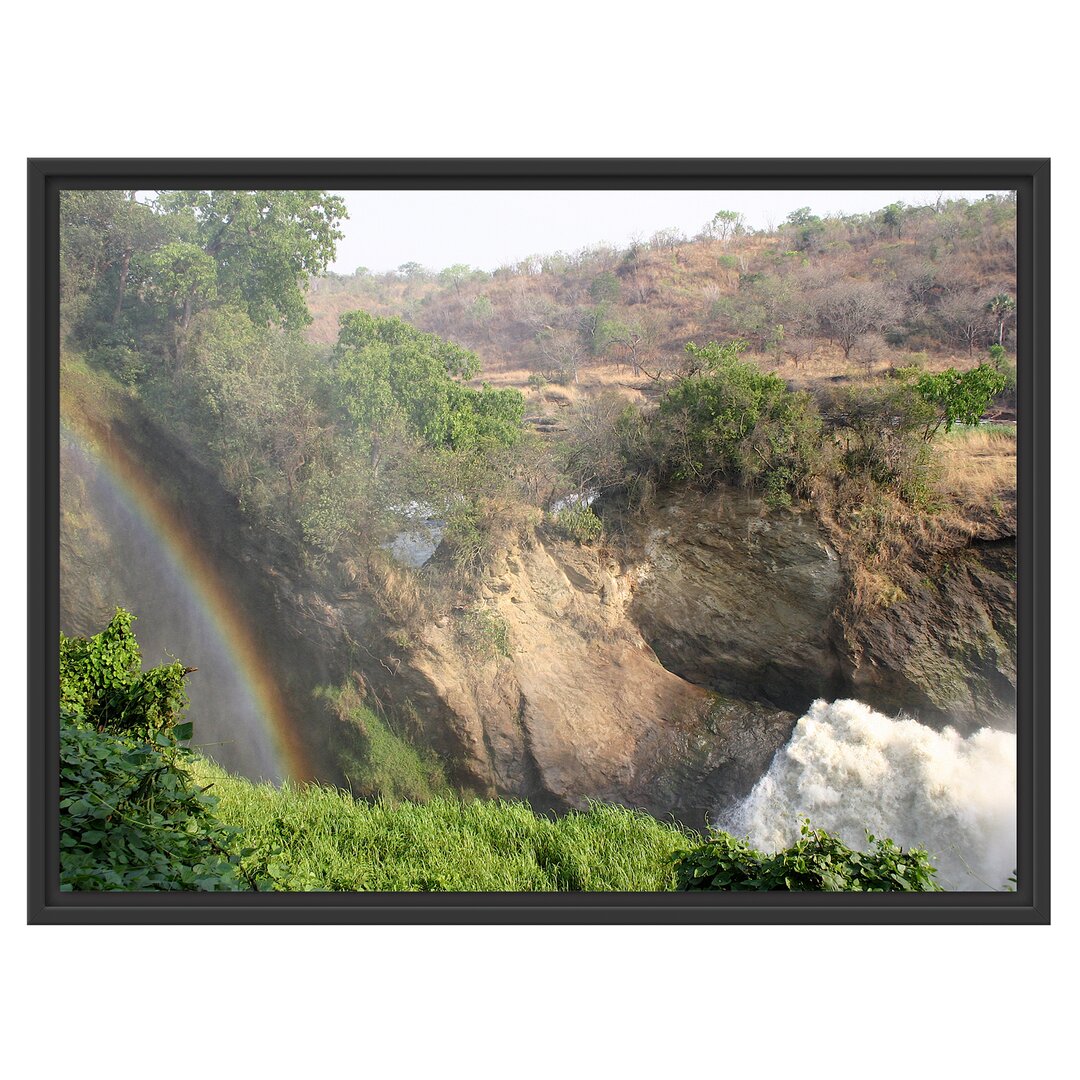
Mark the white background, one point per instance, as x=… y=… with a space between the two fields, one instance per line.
x=557 y=79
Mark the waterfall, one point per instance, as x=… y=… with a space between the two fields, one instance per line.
x=850 y=769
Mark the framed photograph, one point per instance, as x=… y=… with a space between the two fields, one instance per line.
x=550 y=541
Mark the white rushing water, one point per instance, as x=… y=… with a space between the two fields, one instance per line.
x=848 y=769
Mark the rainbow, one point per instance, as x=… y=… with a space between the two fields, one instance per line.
x=129 y=482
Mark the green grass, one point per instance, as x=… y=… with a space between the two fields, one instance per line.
x=326 y=840
x=378 y=762
x=979 y=433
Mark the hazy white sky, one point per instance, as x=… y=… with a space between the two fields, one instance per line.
x=486 y=229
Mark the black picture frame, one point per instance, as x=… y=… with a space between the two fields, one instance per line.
x=1030 y=904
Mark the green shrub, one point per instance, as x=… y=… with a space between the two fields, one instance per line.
x=130 y=816
x=817 y=862
x=878 y=431
x=579 y=523
x=102 y=681
x=485 y=632
x=737 y=423
x=132 y=820
x=958 y=397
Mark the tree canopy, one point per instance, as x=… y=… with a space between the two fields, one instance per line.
x=265 y=244
x=391 y=376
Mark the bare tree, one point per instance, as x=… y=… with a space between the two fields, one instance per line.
x=965 y=318
x=869 y=349
x=849 y=309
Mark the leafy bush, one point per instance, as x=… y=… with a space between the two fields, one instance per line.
x=737 y=423
x=132 y=820
x=879 y=431
x=102 y=682
x=389 y=374
x=130 y=816
x=817 y=862
x=579 y=523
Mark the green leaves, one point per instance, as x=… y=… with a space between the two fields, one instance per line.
x=265 y=245
x=817 y=862
x=132 y=820
x=959 y=397
x=729 y=420
x=390 y=376
x=102 y=681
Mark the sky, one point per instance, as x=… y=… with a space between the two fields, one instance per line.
x=487 y=229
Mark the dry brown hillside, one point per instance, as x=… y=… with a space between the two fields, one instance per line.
x=817 y=300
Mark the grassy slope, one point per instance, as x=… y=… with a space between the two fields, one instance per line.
x=329 y=841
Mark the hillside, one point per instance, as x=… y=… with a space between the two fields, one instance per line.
x=816 y=299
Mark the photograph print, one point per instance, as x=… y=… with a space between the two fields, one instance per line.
x=519 y=540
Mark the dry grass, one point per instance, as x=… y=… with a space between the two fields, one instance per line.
x=978 y=472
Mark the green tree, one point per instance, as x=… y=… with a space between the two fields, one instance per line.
x=181 y=278
x=266 y=245
x=455 y=276
x=958 y=397
x=391 y=376
x=605 y=288
x=893 y=217
x=1001 y=307
x=725 y=224
x=736 y=422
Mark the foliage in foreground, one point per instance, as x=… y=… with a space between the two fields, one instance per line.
x=132 y=821
x=817 y=862
x=131 y=818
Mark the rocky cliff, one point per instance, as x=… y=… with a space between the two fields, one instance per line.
x=660 y=669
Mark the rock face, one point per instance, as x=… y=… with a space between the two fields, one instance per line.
x=739 y=599
x=582 y=708
x=946 y=651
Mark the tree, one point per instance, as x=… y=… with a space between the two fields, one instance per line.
x=964 y=316
x=413 y=271
x=455 y=275
x=181 y=278
x=1001 y=307
x=893 y=217
x=725 y=224
x=391 y=376
x=266 y=244
x=958 y=397
x=801 y=217
x=849 y=309
x=100 y=233
x=605 y=288
x=734 y=421
x=562 y=350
